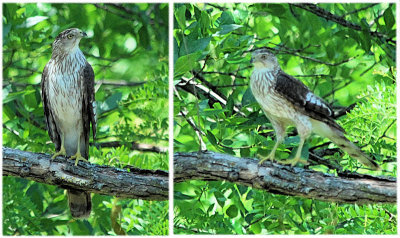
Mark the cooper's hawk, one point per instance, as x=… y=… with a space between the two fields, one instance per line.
x=69 y=107
x=287 y=101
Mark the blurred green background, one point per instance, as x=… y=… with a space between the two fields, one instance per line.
x=347 y=66
x=128 y=50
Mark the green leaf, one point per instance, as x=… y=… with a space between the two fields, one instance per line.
x=248 y=97
x=276 y=9
x=238 y=59
x=227 y=142
x=8 y=111
x=14 y=96
x=221 y=199
x=144 y=37
x=31 y=21
x=225 y=29
x=186 y=63
x=389 y=18
x=111 y=102
x=180 y=16
x=204 y=21
x=256 y=228
x=213 y=112
x=297 y=209
x=211 y=138
x=226 y=18
x=230 y=104
x=30 y=98
x=232 y=211
x=244 y=152
x=194 y=46
x=180 y=196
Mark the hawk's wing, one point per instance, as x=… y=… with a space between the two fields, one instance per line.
x=89 y=106
x=48 y=111
x=297 y=93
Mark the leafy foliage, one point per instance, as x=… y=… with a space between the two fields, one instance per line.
x=128 y=46
x=341 y=64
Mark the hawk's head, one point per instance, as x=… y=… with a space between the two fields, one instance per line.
x=264 y=59
x=68 y=40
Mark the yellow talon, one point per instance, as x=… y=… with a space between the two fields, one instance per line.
x=78 y=157
x=60 y=152
x=264 y=158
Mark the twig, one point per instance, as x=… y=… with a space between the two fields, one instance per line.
x=386 y=130
x=209 y=85
x=188 y=85
x=190 y=121
x=113 y=12
x=280 y=51
x=337 y=89
x=313 y=8
x=10 y=61
x=359 y=10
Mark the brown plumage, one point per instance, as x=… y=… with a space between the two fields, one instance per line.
x=287 y=101
x=69 y=107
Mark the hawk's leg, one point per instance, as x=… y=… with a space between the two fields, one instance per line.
x=280 y=131
x=304 y=129
x=271 y=155
x=62 y=149
x=297 y=158
x=78 y=155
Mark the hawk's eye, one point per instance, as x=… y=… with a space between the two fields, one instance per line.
x=70 y=36
x=263 y=57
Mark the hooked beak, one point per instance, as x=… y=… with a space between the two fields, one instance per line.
x=83 y=34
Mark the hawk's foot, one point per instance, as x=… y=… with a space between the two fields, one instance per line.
x=264 y=158
x=60 y=152
x=78 y=157
x=293 y=161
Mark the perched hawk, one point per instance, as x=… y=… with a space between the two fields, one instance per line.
x=287 y=101
x=69 y=107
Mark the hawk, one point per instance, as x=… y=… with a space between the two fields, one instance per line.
x=286 y=101
x=69 y=107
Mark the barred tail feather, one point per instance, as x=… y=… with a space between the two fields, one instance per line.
x=337 y=137
x=80 y=203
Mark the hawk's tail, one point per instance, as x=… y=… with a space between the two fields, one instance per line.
x=80 y=203
x=337 y=137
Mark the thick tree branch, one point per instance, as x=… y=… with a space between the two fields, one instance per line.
x=135 y=183
x=282 y=179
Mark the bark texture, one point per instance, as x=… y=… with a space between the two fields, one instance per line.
x=135 y=183
x=153 y=185
x=286 y=180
